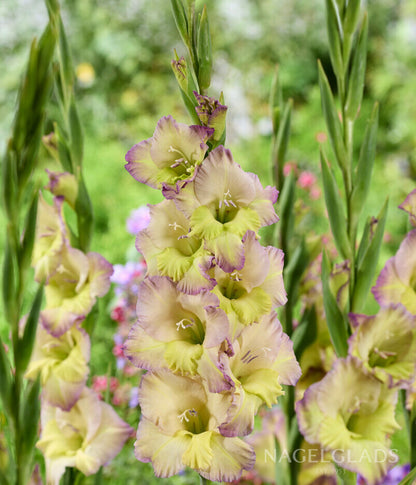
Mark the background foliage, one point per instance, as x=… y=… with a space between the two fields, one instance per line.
x=122 y=50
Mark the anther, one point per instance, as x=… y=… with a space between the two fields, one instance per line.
x=183 y=417
x=181 y=324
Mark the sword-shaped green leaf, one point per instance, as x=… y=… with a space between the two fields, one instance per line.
x=364 y=169
x=368 y=266
x=27 y=342
x=334 y=318
x=281 y=143
x=336 y=215
x=356 y=80
x=305 y=333
x=5 y=380
x=204 y=51
x=181 y=20
x=331 y=118
x=25 y=255
x=335 y=36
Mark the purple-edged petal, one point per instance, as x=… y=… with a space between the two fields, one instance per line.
x=228 y=251
x=62 y=364
x=63 y=184
x=169 y=158
x=165 y=451
x=396 y=283
x=182 y=429
x=409 y=205
x=219 y=175
x=140 y=165
x=157 y=302
x=263 y=202
x=100 y=271
x=263 y=360
x=209 y=368
x=212 y=114
x=50 y=237
x=86 y=437
x=257 y=262
x=230 y=456
x=170 y=251
x=257 y=287
x=217 y=326
x=144 y=351
x=353 y=425
x=386 y=344
x=172 y=141
x=73 y=289
x=273 y=283
x=188 y=325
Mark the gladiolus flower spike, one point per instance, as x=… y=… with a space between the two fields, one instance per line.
x=206 y=330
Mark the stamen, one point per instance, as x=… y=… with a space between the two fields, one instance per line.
x=227 y=200
x=384 y=354
x=184 y=416
x=176 y=226
x=356 y=405
x=182 y=160
x=236 y=276
x=181 y=324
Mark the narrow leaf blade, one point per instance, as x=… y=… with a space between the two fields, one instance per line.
x=368 y=266
x=331 y=119
x=337 y=219
x=334 y=317
x=365 y=164
x=27 y=342
x=356 y=82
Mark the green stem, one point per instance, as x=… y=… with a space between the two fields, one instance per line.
x=348 y=478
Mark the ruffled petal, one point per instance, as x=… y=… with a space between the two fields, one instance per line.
x=252 y=306
x=100 y=271
x=209 y=369
x=50 y=238
x=172 y=140
x=108 y=439
x=183 y=356
x=386 y=344
x=219 y=174
x=228 y=251
x=409 y=205
x=230 y=456
x=396 y=281
x=256 y=264
x=140 y=165
x=163 y=450
x=240 y=419
x=198 y=455
x=273 y=283
x=144 y=351
x=181 y=393
x=158 y=302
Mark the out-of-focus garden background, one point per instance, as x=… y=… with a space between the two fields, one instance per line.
x=122 y=51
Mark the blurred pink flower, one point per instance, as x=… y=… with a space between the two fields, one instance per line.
x=289 y=166
x=306 y=179
x=99 y=383
x=118 y=350
x=118 y=314
x=315 y=193
x=321 y=137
